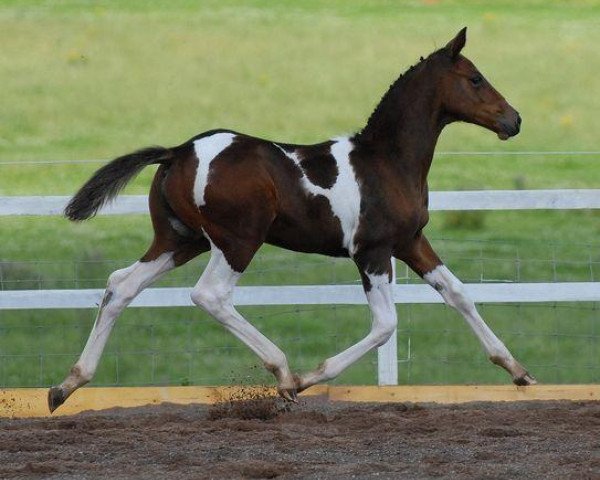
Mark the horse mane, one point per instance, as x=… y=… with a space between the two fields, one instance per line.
x=395 y=89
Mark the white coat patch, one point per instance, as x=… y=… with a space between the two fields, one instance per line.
x=207 y=149
x=344 y=195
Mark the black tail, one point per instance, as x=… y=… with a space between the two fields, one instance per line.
x=109 y=180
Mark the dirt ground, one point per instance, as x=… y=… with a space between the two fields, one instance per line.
x=314 y=439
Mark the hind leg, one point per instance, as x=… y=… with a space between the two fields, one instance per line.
x=174 y=244
x=214 y=292
x=122 y=287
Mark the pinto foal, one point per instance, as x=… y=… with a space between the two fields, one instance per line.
x=364 y=197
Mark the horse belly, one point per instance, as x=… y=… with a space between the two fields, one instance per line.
x=311 y=230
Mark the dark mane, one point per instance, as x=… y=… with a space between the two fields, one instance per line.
x=397 y=88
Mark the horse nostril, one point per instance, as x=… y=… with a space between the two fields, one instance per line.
x=518 y=120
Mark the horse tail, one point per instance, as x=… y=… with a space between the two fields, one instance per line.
x=109 y=180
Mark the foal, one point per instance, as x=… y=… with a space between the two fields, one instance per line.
x=364 y=197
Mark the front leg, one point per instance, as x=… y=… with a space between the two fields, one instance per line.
x=424 y=261
x=376 y=272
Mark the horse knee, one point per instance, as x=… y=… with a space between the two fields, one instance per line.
x=384 y=331
x=381 y=337
x=453 y=292
x=450 y=288
x=456 y=296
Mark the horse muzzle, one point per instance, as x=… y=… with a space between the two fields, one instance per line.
x=509 y=128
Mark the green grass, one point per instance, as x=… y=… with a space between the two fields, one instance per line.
x=93 y=80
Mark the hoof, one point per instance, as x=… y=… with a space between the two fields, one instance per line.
x=56 y=398
x=524 y=380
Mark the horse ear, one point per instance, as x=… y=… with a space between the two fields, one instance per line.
x=456 y=44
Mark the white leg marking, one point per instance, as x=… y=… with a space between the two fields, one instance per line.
x=207 y=149
x=453 y=292
x=123 y=286
x=344 y=195
x=384 y=320
x=214 y=292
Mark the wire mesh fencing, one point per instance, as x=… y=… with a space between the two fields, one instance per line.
x=558 y=342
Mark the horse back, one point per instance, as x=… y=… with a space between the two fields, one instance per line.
x=249 y=187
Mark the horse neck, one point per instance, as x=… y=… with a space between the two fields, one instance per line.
x=406 y=125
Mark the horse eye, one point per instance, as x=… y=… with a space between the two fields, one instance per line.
x=476 y=81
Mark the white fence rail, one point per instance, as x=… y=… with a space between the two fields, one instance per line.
x=308 y=295
x=327 y=294
x=465 y=200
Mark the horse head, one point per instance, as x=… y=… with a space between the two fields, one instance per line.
x=466 y=95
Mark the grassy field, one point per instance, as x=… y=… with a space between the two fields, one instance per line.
x=93 y=80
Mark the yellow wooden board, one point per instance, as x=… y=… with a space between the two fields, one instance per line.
x=463 y=393
x=32 y=402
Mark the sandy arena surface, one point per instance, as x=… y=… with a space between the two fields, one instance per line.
x=314 y=439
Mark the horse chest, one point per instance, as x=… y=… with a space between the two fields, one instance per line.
x=384 y=222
